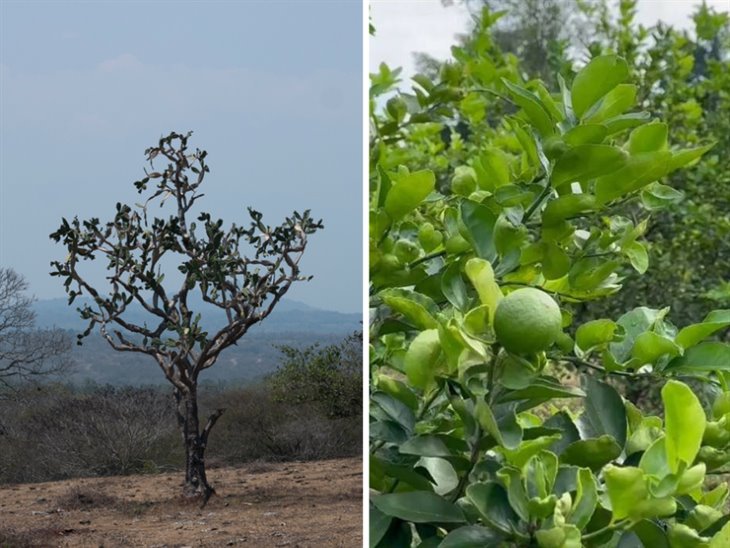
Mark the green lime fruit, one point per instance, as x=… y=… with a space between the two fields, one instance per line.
x=429 y=237
x=389 y=263
x=721 y=406
x=457 y=244
x=464 y=181
x=554 y=147
x=527 y=321
x=406 y=251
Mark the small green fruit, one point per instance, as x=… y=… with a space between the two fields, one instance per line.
x=527 y=321
x=464 y=181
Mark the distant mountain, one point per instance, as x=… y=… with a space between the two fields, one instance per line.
x=288 y=316
x=291 y=324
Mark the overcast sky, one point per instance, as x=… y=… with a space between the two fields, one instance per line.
x=406 y=26
x=272 y=89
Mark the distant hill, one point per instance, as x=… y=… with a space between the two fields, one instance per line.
x=287 y=316
x=291 y=324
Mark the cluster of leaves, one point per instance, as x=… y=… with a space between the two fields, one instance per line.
x=482 y=183
x=683 y=78
x=328 y=377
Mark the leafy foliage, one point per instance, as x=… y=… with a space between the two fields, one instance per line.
x=502 y=184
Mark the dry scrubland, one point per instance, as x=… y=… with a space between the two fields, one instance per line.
x=296 y=504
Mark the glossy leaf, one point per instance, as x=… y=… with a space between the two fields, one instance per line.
x=604 y=413
x=418 y=507
x=707 y=356
x=533 y=107
x=481 y=275
x=614 y=103
x=407 y=192
x=422 y=357
x=472 y=536
x=479 y=222
x=596 y=79
x=693 y=334
x=684 y=421
x=586 y=162
x=491 y=500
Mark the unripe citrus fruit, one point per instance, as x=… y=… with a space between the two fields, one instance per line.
x=456 y=244
x=406 y=251
x=389 y=263
x=464 y=181
x=429 y=237
x=527 y=321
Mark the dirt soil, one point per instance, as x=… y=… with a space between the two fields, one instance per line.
x=297 y=504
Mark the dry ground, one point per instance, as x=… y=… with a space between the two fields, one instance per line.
x=300 y=504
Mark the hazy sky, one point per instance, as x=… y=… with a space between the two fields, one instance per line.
x=401 y=28
x=272 y=89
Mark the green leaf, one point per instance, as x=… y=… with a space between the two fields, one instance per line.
x=512 y=479
x=395 y=409
x=419 y=507
x=596 y=79
x=650 y=346
x=407 y=192
x=591 y=453
x=614 y=103
x=648 y=138
x=684 y=424
x=555 y=261
x=441 y=470
x=692 y=334
x=625 y=487
x=595 y=334
x=479 y=221
x=586 y=162
x=657 y=196
x=472 y=536
x=491 y=501
x=481 y=276
x=567 y=536
x=421 y=359
x=425 y=446
x=625 y=121
x=634 y=323
x=707 y=356
x=505 y=429
x=541 y=389
x=604 y=413
x=650 y=534
x=492 y=169
x=453 y=288
x=586 y=499
x=721 y=539
x=567 y=206
x=638 y=171
x=638 y=257
x=586 y=134
x=379 y=524
x=533 y=107
x=686 y=156
x=416 y=308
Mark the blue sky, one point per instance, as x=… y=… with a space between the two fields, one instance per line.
x=272 y=90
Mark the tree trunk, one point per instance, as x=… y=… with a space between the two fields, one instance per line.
x=195 y=442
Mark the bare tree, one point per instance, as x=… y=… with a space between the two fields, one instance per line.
x=137 y=250
x=26 y=352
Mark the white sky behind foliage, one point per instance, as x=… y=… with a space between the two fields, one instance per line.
x=407 y=26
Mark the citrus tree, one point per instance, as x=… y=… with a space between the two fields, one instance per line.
x=212 y=265
x=482 y=243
